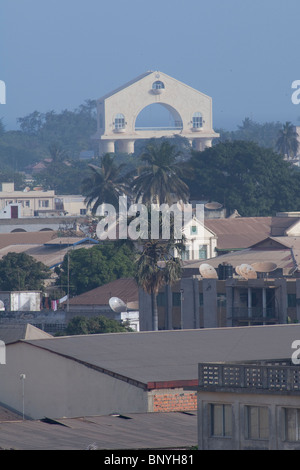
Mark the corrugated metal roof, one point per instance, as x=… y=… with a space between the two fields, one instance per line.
x=139 y=431
x=242 y=232
x=173 y=355
x=126 y=289
x=14 y=332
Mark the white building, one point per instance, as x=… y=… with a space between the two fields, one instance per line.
x=190 y=112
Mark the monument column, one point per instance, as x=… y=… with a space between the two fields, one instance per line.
x=107 y=146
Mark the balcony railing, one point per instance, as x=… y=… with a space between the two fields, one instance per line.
x=254 y=313
x=172 y=128
x=267 y=377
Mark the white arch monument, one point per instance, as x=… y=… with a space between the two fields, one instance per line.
x=117 y=113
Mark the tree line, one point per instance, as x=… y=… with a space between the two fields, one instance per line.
x=255 y=180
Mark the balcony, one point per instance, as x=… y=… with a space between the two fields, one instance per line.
x=267 y=377
x=254 y=315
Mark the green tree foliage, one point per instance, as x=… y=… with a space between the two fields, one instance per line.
x=104 y=184
x=81 y=325
x=64 y=177
x=93 y=267
x=265 y=134
x=70 y=129
x=160 y=177
x=241 y=175
x=19 y=271
x=287 y=143
x=155 y=267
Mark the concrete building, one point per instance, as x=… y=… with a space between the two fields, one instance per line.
x=96 y=302
x=249 y=405
x=27 y=203
x=197 y=302
x=121 y=373
x=21 y=301
x=190 y=113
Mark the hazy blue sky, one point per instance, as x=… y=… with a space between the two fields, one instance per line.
x=55 y=54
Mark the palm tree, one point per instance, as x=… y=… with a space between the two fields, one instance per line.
x=57 y=153
x=155 y=267
x=105 y=184
x=287 y=142
x=160 y=179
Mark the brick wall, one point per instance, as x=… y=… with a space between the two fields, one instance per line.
x=173 y=400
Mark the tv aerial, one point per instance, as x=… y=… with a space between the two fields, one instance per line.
x=207 y=271
x=118 y=306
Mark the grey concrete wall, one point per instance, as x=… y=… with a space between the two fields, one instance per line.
x=145 y=309
x=210 y=311
x=276 y=404
x=190 y=304
x=56 y=386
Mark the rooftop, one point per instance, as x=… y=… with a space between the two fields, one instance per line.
x=134 y=431
x=172 y=356
x=126 y=289
x=242 y=232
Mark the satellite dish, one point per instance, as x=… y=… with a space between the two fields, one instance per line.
x=247 y=271
x=213 y=205
x=208 y=271
x=264 y=266
x=117 y=305
x=237 y=270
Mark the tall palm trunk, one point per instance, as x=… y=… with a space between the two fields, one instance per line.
x=154 y=311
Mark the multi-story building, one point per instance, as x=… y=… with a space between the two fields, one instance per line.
x=249 y=405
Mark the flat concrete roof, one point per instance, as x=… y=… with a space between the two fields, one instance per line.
x=155 y=359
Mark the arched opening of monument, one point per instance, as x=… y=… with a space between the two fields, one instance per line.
x=158 y=117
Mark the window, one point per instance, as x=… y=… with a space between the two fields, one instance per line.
x=292 y=301
x=197 y=120
x=193 y=230
x=257 y=422
x=185 y=254
x=292 y=424
x=120 y=121
x=220 y=420
x=82 y=211
x=176 y=299
x=203 y=252
x=161 y=299
x=158 y=85
x=44 y=203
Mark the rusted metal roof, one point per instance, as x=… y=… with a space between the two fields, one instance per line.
x=242 y=232
x=126 y=289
